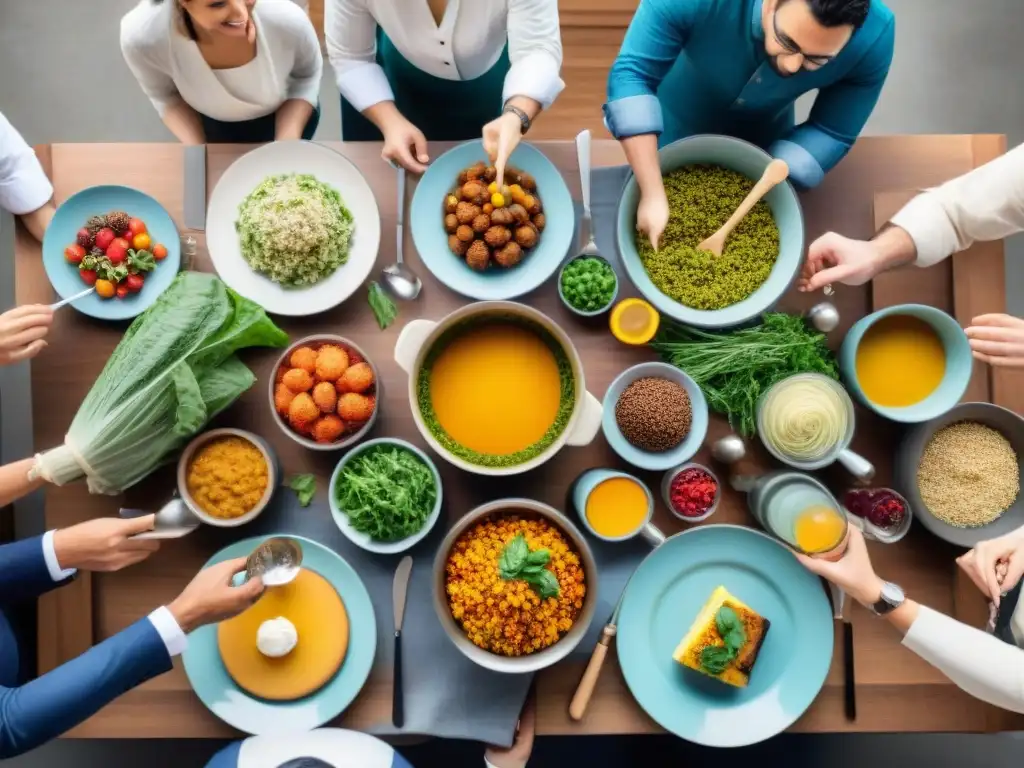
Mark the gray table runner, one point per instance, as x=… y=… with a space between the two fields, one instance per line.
x=447 y=695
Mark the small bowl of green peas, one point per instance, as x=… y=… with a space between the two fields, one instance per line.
x=588 y=285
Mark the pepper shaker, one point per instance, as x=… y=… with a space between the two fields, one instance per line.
x=189 y=248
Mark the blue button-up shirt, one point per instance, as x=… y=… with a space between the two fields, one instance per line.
x=699 y=66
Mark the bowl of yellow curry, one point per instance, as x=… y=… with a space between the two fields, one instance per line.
x=515 y=586
x=227 y=476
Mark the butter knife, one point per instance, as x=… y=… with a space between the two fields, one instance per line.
x=849 y=679
x=398 y=595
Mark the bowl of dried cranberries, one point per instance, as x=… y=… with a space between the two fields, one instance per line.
x=691 y=491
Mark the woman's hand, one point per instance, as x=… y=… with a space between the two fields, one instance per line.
x=833 y=258
x=995 y=566
x=998 y=340
x=519 y=753
x=652 y=215
x=501 y=136
x=853 y=573
x=404 y=143
x=22 y=332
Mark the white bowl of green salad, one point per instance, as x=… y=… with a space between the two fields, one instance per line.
x=385 y=495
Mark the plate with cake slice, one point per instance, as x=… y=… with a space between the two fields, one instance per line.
x=724 y=638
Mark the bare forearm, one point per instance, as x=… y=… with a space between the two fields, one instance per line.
x=291 y=120
x=38 y=220
x=642 y=155
x=531 y=107
x=185 y=123
x=893 y=248
x=14 y=482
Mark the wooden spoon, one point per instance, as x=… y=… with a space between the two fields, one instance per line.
x=777 y=171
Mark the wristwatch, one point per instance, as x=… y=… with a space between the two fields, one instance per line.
x=524 y=118
x=892 y=597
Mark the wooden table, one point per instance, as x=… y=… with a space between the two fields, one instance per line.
x=896 y=690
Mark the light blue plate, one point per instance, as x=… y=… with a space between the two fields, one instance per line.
x=665 y=595
x=71 y=217
x=239 y=709
x=742 y=157
x=646 y=459
x=540 y=263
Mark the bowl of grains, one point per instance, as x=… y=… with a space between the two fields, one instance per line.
x=515 y=586
x=705 y=178
x=960 y=473
x=655 y=416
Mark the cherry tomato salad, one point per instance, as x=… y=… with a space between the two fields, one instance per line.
x=113 y=252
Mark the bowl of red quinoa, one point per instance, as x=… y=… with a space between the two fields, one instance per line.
x=655 y=416
x=508 y=624
x=691 y=492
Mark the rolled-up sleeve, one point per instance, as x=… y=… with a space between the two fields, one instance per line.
x=24 y=186
x=351 y=33
x=655 y=38
x=840 y=111
x=308 y=68
x=535 y=50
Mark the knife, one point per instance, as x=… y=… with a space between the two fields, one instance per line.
x=195 y=187
x=398 y=595
x=849 y=680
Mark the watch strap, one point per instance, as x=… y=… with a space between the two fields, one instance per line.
x=524 y=118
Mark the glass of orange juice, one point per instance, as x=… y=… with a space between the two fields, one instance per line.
x=800 y=511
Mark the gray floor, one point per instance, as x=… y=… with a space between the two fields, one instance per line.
x=957 y=70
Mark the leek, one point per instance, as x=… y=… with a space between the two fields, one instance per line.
x=173 y=371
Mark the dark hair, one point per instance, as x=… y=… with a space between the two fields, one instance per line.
x=839 y=13
x=306 y=762
x=190 y=30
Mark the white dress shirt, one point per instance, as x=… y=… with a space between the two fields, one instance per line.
x=169 y=65
x=983 y=665
x=162 y=619
x=23 y=184
x=467 y=43
x=985 y=204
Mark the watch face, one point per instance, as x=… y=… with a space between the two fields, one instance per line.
x=892 y=594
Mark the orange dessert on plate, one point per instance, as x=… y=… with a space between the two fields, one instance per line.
x=302 y=631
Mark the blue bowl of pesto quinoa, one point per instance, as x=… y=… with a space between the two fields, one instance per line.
x=706 y=178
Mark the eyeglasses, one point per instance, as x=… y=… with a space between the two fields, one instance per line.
x=791 y=48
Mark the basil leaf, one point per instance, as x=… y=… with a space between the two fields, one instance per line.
x=715 y=658
x=531 y=570
x=538 y=557
x=513 y=557
x=546 y=584
x=730 y=627
x=304 y=487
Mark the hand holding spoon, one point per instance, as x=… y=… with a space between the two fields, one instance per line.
x=776 y=172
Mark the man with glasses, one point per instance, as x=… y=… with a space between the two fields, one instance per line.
x=736 y=67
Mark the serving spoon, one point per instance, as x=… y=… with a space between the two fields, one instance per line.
x=173 y=520
x=586 y=220
x=775 y=173
x=402 y=281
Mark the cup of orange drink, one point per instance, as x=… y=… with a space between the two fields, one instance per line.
x=801 y=512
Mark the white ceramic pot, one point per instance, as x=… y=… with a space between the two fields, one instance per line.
x=418 y=337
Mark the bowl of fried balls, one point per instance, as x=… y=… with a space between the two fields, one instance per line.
x=486 y=241
x=492 y=227
x=324 y=392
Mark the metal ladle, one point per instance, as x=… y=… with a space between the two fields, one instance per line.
x=172 y=521
x=401 y=280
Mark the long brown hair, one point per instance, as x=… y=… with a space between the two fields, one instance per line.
x=184 y=19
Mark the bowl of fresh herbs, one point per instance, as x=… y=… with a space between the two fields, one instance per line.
x=385 y=495
x=588 y=285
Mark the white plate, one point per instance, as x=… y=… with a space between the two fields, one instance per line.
x=329 y=167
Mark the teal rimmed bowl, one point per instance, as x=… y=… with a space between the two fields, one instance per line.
x=742 y=157
x=959 y=363
x=494 y=283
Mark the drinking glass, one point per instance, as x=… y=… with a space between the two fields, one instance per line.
x=783 y=505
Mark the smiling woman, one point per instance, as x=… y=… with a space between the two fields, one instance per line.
x=241 y=71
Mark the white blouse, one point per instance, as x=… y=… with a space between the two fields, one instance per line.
x=467 y=43
x=23 y=184
x=169 y=65
x=985 y=204
x=981 y=664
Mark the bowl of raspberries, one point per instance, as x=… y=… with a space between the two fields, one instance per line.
x=117 y=240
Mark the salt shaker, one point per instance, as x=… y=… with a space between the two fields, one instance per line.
x=189 y=248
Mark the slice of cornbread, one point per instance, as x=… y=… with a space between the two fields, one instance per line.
x=704 y=632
